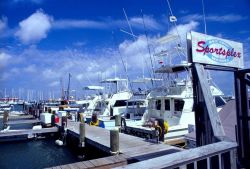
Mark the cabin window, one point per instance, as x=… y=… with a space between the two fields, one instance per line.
x=167 y=104
x=99 y=106
x=219 y=101
x=178 y=105
x=137 y=103
x=158 y=104
x=120 y=103
x=85 y=105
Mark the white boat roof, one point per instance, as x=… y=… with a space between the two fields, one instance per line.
x=114 y=80
x=145 y=79
x=93 y=88
x=167 y=38
x=174 y=68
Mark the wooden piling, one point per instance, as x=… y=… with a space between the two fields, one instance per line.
x=5 y=117
x=114 y=141
x=53 y=120
x=118 y=120
x=82 y=134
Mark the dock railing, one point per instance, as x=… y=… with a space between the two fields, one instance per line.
x=220 y=155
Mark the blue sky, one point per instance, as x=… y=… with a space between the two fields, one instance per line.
x=42 y=41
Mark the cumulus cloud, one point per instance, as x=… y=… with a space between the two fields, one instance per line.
x=32 y=1
x=34 y=28
x=88 y=67
x=182 y=29
x=70 y=23
x=107 y=23
x=4 y=59
x=30 y=69
x=3 y=23
x=228 y=18
x=54 y=83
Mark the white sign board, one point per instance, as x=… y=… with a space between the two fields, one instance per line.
x=216 y=51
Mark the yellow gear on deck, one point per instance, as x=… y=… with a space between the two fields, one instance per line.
x=94 y=123
x=159 y=129
x=166 y=126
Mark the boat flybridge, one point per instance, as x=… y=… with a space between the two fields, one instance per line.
x=173 y=103
x=88 y=105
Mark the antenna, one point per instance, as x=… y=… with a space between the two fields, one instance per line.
x=128 y=23
x=149 y=51
x=204 y=17
x=123 y=63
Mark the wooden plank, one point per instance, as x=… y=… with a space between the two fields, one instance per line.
x=184 y=157
x=88 y=164
x=65 y=167
x=56 y=167
x=209 y=101
x=80 y=165
x=23 y=121
x=21 y=117
x=73 y=166
x=100 y=162
x=9 y=133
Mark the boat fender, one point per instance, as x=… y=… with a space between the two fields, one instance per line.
x=59 y=142
x=157 y=127
x=166 y=126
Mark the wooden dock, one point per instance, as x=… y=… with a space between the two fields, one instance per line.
x=26 y=121
x=25 y=132
x=132 y=149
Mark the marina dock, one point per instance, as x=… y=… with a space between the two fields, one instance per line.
x=131 y=148
x=9 y=135
x=25 y=121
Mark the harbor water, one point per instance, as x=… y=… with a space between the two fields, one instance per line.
x=35 y=154
x=41 y=152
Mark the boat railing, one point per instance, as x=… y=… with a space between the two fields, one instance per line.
x=217 y=155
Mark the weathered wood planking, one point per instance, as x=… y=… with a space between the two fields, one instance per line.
x=20 y=117
x=106 y=162
x=9 y=133
x=99 y=136
x=184 y=157
x=131 y=147
x=23 y=121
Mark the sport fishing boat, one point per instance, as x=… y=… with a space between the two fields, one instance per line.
x=173 y=103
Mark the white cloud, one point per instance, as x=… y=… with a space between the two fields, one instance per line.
x=30 y=69
x=50 y=73
x=54 y=83
x=4 y=59
x=70 y=23
x=34 y=28
x=14 y=70
x=3 y=23
x=88 y=67
x=33 y=1
x=228 y=18
x=79 y=43
x=107 y=23
x=184 y=28
x=149 y=21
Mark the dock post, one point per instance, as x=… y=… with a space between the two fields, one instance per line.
x=5 y=118
x=82 y=134
x=53 y=120
x=117 y=120
x=114 y=141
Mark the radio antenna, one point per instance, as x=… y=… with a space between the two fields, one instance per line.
x=204 y=17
